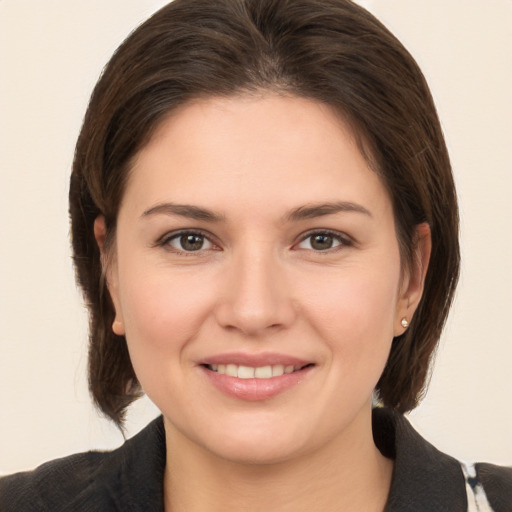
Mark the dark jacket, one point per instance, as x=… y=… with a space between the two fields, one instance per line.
x=130 y=478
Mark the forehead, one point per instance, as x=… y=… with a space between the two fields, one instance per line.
x=268 y=149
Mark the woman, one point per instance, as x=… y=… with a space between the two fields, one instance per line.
x=264 y=225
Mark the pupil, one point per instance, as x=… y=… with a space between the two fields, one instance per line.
x=322 y=242
x=191 y=242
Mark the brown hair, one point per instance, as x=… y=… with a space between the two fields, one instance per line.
x=329 y=50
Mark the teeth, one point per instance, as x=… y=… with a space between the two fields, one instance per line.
x=263 y=372
x=245 y=372
x=277 y=370
x=232 y=370
x=248 y=372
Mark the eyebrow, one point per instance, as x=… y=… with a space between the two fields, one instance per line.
x=320 y=210
x=301 y=213
x=184 y=210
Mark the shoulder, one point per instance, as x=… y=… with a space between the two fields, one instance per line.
x=128 y=478
x=51 y=485
x=426 y=479
x=497 y=484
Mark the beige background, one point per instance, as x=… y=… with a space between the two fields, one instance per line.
x=51 y=54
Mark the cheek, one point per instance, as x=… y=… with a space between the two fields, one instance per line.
x=160 y=310
x=162 y=313
x=355 y=315
x=160 y=324
x=366 y=298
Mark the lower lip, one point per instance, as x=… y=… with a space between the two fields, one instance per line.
x=254 y=390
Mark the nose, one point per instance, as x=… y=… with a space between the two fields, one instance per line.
x=256 y=298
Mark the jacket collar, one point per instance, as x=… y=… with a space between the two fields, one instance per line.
x=424 y=479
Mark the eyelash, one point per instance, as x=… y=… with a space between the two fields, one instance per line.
x=169 y=237
x=342 y=239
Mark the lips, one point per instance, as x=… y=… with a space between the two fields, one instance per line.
x=255 y=377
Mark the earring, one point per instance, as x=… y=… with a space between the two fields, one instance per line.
x=404 y=323
x=118 y=328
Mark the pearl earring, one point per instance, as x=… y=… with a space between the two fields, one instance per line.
x=404 y=323
x=118 y=328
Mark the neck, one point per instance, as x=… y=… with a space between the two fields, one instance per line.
x=349 y=474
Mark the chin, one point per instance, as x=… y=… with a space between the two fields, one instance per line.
x=254 y=452
x=265 y=443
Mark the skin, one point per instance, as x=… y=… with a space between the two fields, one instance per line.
x=260 y=284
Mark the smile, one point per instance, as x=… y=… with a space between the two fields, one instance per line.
x=249 y=372
x=255 y=378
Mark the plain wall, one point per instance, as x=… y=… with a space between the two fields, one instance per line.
x=51 y=54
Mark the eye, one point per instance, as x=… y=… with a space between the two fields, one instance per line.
x=323 y=241
x=188 y=241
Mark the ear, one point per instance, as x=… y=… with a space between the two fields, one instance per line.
x=414 y=280
x=100 y=234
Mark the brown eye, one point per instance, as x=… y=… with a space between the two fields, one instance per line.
x=189 y=242
x=323 y=241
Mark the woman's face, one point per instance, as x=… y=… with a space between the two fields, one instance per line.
x=257 y=277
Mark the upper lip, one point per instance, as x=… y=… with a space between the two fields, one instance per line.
x=255 y=360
